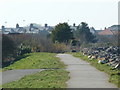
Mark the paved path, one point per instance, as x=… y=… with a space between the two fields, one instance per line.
x=83 y=75
x=13 y=75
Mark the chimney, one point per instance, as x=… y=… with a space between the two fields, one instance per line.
x=73 y=24
x=105 y=28
x=3 y=28
x=17 y=25
x=46 y=25
x=31 y=26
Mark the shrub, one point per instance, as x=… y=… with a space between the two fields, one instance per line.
x=8 y=48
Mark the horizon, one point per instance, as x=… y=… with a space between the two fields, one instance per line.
x=53 y=25
x=98 y=14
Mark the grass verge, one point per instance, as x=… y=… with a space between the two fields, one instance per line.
x=0 y=70
x=37 y=61
x=54 y=78
x=114 y=75
x=44 y=79
x=0 y=87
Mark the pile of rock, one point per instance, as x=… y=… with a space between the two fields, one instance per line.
x=105 y=55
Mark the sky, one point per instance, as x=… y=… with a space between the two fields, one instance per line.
x=97 y=13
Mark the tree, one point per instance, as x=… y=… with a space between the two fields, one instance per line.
x=8 y=47
x=62 y=33
x=83 y=33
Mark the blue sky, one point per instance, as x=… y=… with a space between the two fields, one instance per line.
x=97 y=13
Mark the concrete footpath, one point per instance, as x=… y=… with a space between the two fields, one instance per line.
x=83 y=75
x=13 y=75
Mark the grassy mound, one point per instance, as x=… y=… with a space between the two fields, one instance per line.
x=37 y=61
x=54 y=78
x=44 y=79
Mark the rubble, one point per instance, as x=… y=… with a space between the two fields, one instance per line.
x=105 y=55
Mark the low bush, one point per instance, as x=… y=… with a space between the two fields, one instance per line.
x=19 y=44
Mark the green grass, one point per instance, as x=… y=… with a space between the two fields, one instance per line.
x=0 y=87
x=44 y=79
x=37 y=61
x=54 y=78
x=113 y=74
x=0 y=70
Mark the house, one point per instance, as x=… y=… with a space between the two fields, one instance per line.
x=115 y=32
x=98 y=31
x=92 y=30
x=8 y=30
x=110 y=31
x=32 y=28
x=106 y=32
x=114 y=27
x=74 y=27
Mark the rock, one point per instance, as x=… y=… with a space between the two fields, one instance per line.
x=110 y=60
x=108 y=54
x=89 y=56
x=102 y=61
x=73 y=51
x=93 y=57
x=117 y=66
